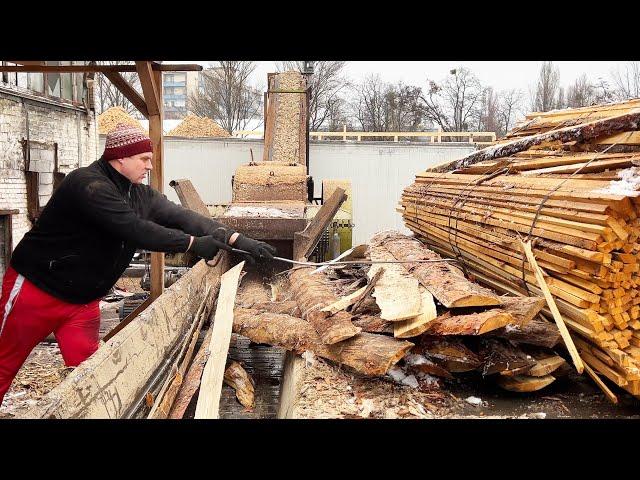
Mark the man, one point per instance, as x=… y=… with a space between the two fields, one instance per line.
x=82 y=243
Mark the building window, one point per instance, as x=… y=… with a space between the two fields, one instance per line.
x=35 y=82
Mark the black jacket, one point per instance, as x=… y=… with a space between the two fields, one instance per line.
x=89 y=230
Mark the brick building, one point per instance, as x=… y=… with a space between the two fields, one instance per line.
x=47 y=129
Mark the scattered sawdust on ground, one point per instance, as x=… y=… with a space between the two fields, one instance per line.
x=328 y=391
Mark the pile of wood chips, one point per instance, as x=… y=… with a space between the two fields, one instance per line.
x=193 y=127
x=109 y=119
x=567 y=181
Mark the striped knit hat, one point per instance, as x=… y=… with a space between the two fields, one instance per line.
x=126 y=141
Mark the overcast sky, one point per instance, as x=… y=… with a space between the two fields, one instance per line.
x=500 y=75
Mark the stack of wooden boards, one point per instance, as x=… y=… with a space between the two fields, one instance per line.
x=566 y=180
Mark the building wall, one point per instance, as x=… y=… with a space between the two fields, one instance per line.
x=378 y=171
x=49 y=121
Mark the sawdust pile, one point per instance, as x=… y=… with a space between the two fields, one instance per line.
x=288 y=142
x=193 y=126
x=109 y=119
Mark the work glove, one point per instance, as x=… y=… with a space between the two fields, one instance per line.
x=258 y=250
x=205 y=247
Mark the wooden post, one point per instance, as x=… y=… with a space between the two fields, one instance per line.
x=151 y=82
x=344 y=131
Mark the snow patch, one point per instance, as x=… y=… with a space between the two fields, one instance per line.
x=410 y=381
x=475 y=401
x=309 y=358
x=628 y=184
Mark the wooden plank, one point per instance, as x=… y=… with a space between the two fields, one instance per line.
x=446 y=283
x=213 y=374
x=523 y=383
x=164 y=399
x=304 y=242
x=566 y=337
x=189 y=197
x=157 y=174
x=419 y=324
x=396 y=292
x=128 y=91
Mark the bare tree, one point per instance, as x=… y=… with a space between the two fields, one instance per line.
x=489 y=119
x=107 y=95
x=581 y=93
x=406 y=110
x=626 y=81
x=369 y=106
x=226 y=95
x=454 y=102
x=547 y=89
x=327 y=84
x=509 y=106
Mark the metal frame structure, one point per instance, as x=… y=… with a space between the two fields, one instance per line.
x=149 y=105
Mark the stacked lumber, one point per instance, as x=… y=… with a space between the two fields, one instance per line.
x=110 y=118
x=193 y=126
x=576 y=198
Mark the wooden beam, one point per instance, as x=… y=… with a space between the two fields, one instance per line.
x=149 y=88
x=304 y=242
x=128 y=91
x=128 y=319
x=213 y=374
x=188 y=196
x=566 y=337
x=37 y=67
x=153 y=97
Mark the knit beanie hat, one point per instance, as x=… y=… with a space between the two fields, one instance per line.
x=126 y=141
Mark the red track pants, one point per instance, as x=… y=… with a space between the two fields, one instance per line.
x=28 y=315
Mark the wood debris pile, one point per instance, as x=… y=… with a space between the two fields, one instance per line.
x=566 y=180
x=193 y=126
x=109 y=119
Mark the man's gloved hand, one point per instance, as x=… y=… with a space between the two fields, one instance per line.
x=258 y=250
x=204 y=247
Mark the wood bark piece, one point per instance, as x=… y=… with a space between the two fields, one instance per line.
x=191 y=381
x=396 y=292
x=213 y=374
x=500 y=355
x=373 y=324
x=345 y=302
x=237 y=378
x=449 y=353
x=566 y=337
x=523 y=383
x=366 y=353
x=545 y=366
x=312 y=293
x=369 y=288
x=304 y=242
x=470 y=324
x=290 y=307
x=421 y=323
x=445 y=282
